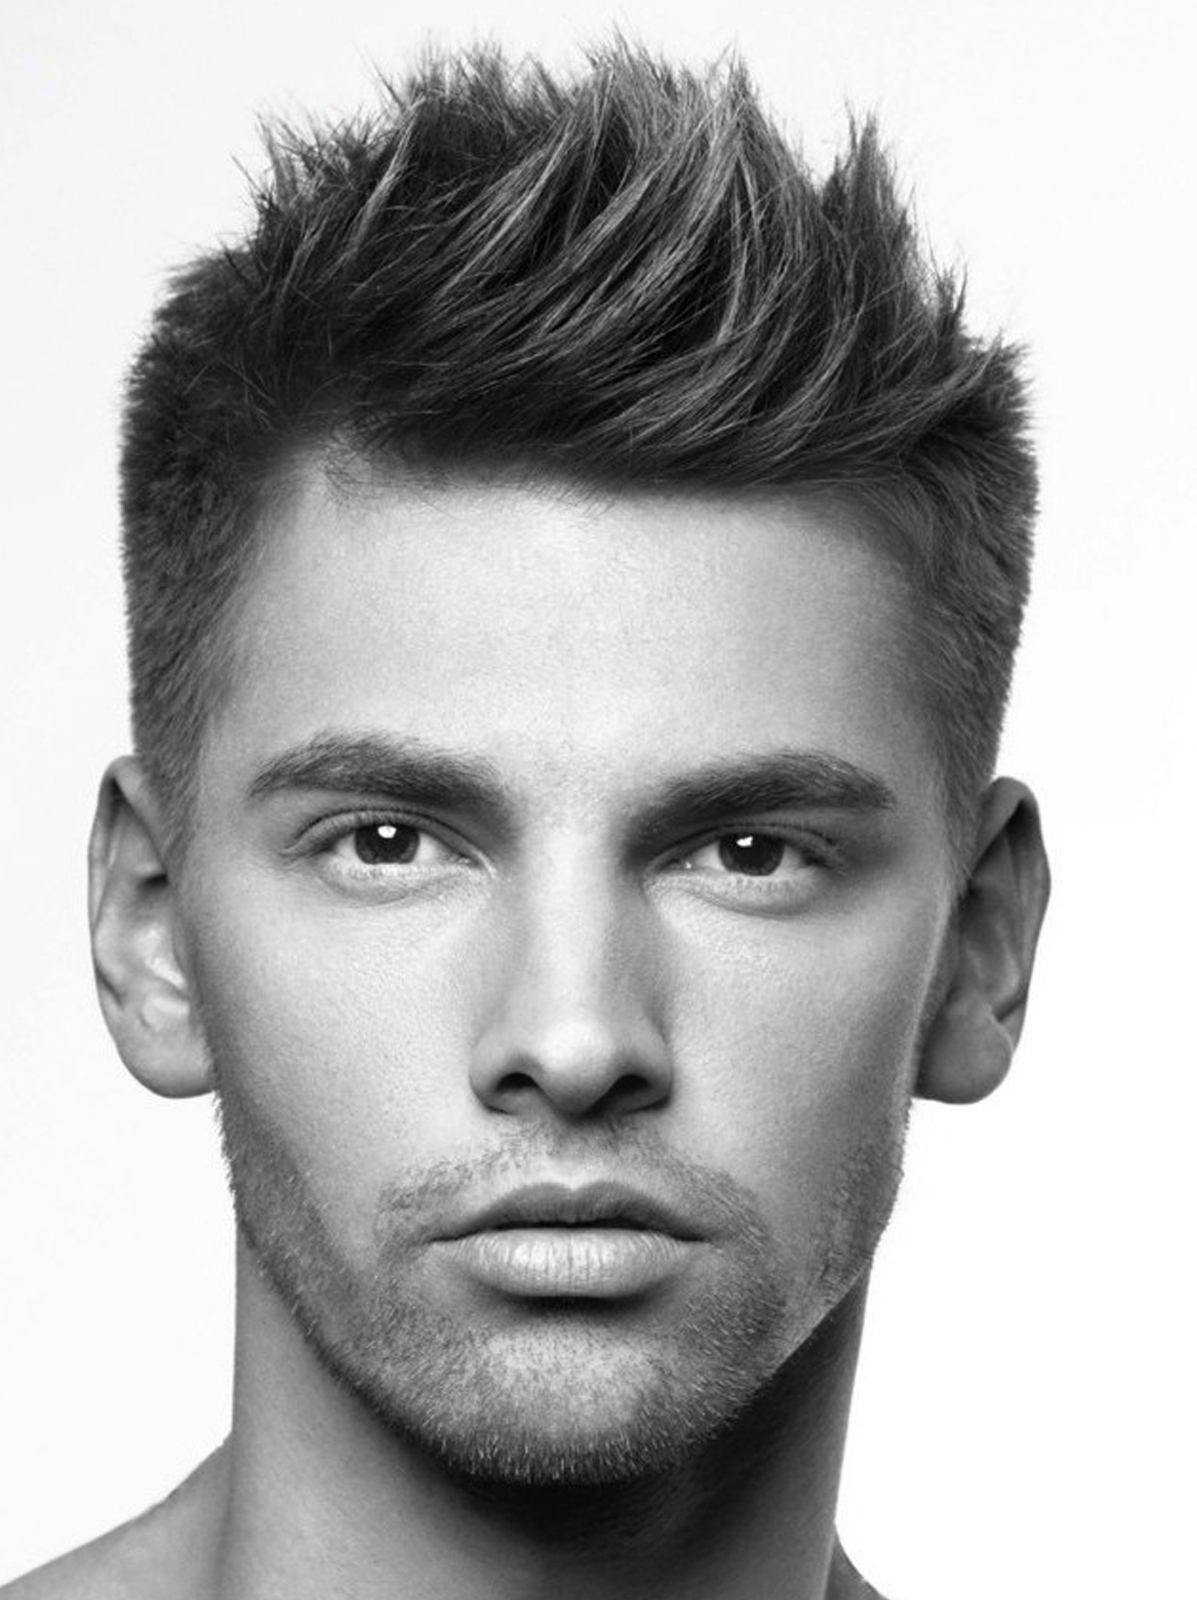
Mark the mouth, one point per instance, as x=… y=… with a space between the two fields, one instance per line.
x=592 y=1206
x=552 y=1241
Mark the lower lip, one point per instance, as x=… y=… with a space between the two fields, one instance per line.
x=560 y=1262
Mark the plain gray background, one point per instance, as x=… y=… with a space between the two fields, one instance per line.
x=1019 y=1426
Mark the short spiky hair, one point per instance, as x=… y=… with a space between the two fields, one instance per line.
x=624 y=279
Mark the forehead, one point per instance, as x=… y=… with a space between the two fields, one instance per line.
x=568 y=635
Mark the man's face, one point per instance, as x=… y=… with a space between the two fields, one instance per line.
x=567 y=885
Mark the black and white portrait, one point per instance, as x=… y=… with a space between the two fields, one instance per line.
x=598 y=716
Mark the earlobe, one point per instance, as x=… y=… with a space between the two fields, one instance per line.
x=144 y=988
x=969 y=1041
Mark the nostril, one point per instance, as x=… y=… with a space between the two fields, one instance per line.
x=575 y=1093
x=577 y=1064
x=515 y=1083
x=629 y=1091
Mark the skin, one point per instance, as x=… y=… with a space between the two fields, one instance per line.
x=578 y=974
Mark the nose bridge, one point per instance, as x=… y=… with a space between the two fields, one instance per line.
x=575 y=925
x=571 y=1021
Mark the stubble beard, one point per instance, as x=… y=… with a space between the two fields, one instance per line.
x=564 y=1395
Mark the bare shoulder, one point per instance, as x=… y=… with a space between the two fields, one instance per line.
x=845 y=1583
x=103 y=1569
x=163 y=1554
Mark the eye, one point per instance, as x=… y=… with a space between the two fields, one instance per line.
x=749 y=855
x=389 y=842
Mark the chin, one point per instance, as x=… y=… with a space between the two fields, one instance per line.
x=569 y=1406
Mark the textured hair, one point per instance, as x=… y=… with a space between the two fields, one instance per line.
x=623 y=279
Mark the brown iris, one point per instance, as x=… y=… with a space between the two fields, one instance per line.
x=754 y=854
x=385 y=844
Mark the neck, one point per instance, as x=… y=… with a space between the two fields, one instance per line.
x=316 y=1491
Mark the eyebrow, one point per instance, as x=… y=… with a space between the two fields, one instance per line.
x=416 y=772
x=808 y=780
x=371 y=763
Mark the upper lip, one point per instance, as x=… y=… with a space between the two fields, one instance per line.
x=600 y=1203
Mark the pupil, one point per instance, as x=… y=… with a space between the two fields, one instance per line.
x=386 y=843
x=757 y=854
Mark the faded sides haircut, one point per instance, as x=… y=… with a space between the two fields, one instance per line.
x=623 y=279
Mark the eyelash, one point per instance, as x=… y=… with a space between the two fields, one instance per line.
x=321 y=839
x=823 y=852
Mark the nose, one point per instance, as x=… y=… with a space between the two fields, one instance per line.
x=571 y=1032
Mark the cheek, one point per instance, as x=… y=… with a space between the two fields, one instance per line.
x=803 y=1051
x=349 y=1042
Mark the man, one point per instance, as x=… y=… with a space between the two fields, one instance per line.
x=575 y=560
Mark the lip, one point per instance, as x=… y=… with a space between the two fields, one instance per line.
x=602 y=1240
x=597 y=1205
x=570 y=1263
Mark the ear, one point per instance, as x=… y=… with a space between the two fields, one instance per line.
x=970 y=1039
x=142 y=979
